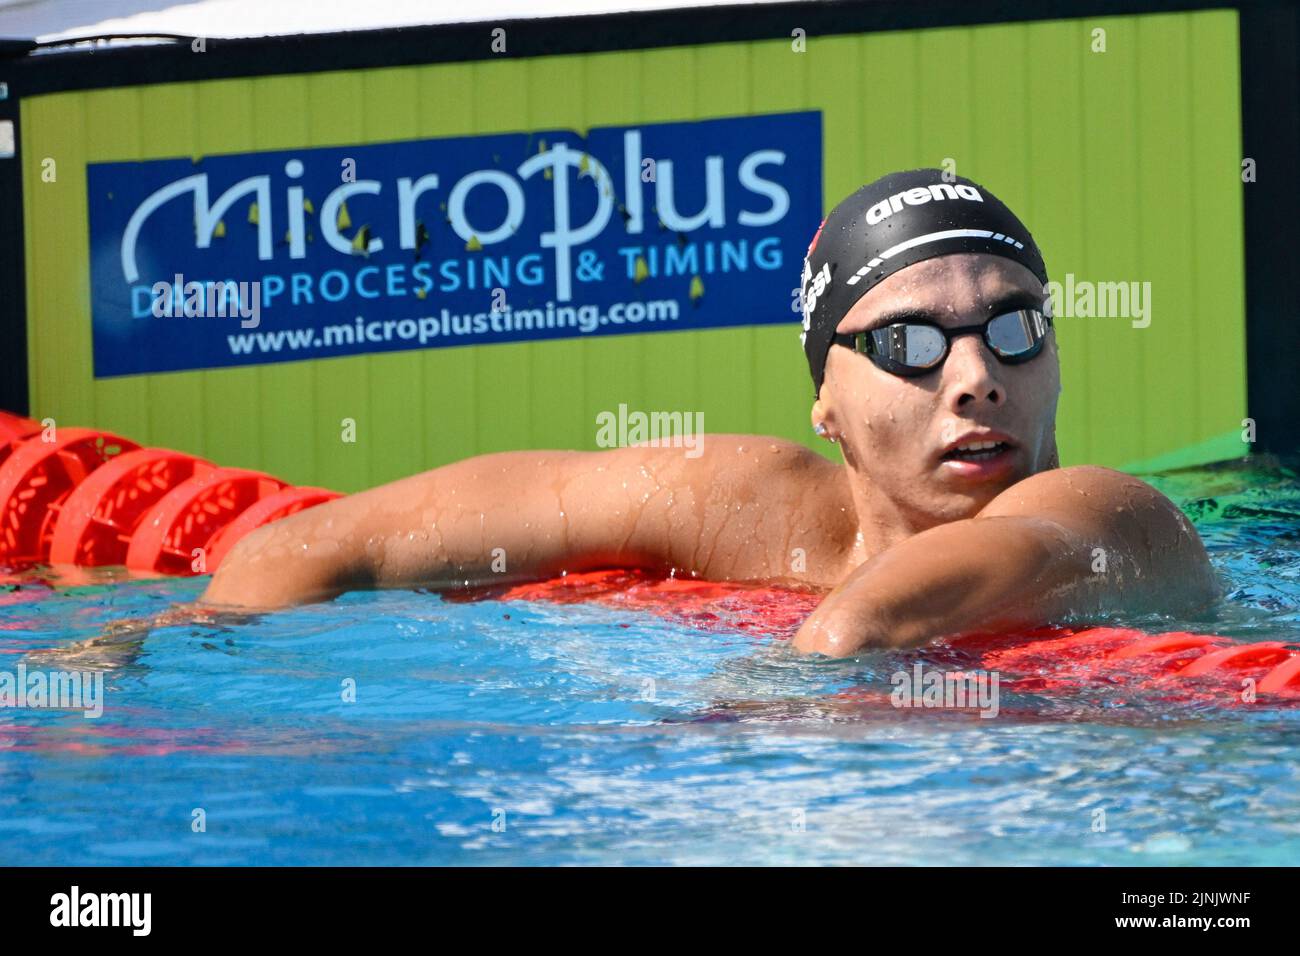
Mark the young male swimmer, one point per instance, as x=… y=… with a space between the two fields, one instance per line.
x=936 y=374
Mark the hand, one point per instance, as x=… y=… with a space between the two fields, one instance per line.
x=840 y=627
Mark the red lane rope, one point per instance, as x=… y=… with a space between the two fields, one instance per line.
x=1177 y=664
x=91 y=497
x=77 y=496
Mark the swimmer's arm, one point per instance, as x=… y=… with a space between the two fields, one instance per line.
x=493 y=519
x=119 y=644
x=1030 y=557
x=486 y=520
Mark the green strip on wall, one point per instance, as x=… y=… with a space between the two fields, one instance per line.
x=1223 y=447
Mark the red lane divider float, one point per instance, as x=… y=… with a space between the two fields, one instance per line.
x=35 y=479
x=710 y=605
x=92 y=498
x=1178 y=665
x=1265 y=654
x=1284 y=677
x=1166 y=643
x=97 y=521
x=172 y=535
x=14 y=429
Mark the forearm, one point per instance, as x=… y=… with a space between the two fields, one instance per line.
x=493 y=519
x=262 y=573
x=956 y=578
x=485 y=518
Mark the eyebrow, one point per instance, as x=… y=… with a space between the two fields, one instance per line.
x=1006 y=302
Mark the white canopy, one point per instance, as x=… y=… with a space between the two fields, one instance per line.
x=64 y=19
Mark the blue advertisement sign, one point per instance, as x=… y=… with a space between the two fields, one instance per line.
x=279 y=256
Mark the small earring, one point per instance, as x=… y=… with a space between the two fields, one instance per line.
x=820 y=428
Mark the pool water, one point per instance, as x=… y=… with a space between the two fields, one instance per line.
x=405 y=728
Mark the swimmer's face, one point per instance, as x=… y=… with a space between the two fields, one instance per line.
x=899 y=432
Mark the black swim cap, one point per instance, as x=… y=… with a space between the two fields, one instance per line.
x=899 y=219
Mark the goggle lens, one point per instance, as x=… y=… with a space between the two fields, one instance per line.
x=914 y=348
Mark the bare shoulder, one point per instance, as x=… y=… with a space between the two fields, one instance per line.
x=1079 y=490
x=765 y=455
x=734 y=506
x=1117 y=512
x=1096 y=500
x=730 y=457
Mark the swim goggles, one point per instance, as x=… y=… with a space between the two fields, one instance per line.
x=915 y=348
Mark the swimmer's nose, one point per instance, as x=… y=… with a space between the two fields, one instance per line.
x=971 y=373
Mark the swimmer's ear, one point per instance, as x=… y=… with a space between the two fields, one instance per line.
x=823 y=417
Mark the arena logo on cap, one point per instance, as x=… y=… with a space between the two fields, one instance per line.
x=919 y=195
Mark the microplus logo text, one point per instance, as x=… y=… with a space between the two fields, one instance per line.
x=709 y=215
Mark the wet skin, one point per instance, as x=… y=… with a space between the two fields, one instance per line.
x=910 y=544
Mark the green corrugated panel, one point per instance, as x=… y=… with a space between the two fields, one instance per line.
x=1216 y=272
x=1124 y=163
x=1057 y=200
x=783 y=80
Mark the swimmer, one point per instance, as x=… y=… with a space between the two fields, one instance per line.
x=935 y=372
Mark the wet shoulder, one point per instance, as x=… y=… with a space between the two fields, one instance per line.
x=730 y=469
x=781 y=473
x=1090 y=486
x=766 y=456
x=1090 y=497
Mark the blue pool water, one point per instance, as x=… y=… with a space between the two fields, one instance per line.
x=536 y=733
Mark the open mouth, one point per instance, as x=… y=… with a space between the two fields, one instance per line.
x=982 y=456
x=977 y=451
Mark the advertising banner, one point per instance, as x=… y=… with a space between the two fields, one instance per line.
x=257 y=258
